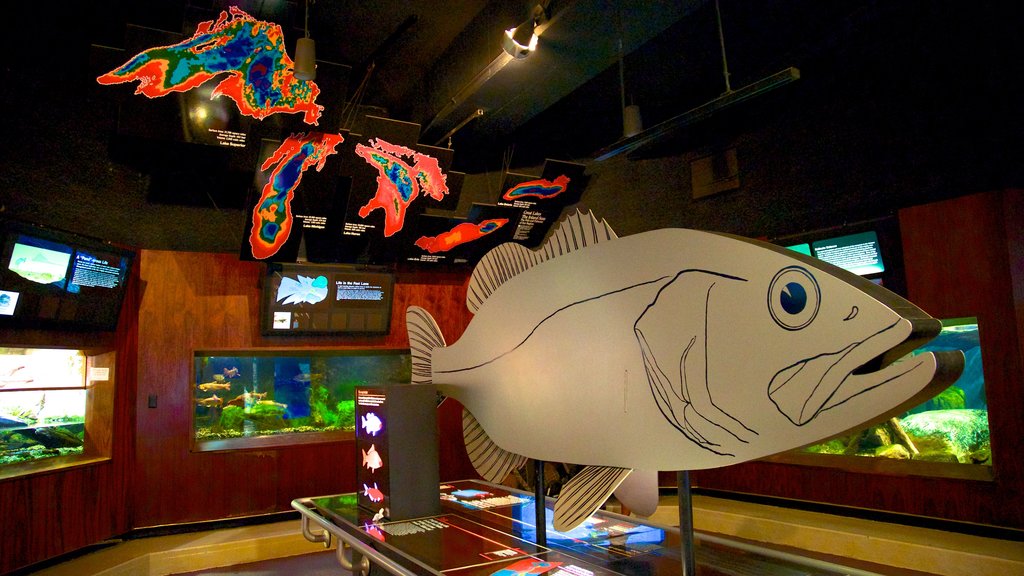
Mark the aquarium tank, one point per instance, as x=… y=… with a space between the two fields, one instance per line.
x=42 y=403
x=266 y=393
x=952 y=427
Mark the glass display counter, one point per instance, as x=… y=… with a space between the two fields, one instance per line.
x=489 y=530
x=255 y=398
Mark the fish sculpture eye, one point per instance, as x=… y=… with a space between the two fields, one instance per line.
x=794 y=298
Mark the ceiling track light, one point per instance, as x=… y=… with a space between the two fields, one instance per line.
x=518 y=42
x=305 y=53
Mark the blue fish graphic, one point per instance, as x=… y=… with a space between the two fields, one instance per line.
x=671 y=349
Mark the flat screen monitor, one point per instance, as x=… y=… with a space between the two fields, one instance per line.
x=325 y=299
x=858 y=253
x=52 y=279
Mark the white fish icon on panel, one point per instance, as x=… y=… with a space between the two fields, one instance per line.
x=371 y=459
x=671 y=349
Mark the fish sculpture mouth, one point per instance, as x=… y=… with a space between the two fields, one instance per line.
x=805 y=389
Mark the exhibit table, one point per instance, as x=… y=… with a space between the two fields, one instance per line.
x=486 y=529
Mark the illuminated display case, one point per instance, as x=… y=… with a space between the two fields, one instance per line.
x=54 y=408
x=946 y=436
x=249 y=398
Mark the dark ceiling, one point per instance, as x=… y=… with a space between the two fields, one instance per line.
x=438 y=64
x=426 y=62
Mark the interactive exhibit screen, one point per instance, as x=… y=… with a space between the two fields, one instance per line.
x=870 y=249
x=325 y=299
x=59 y=280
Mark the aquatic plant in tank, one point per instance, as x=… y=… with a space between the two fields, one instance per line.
x=952 y=427
x=42 y=404
x=271 y=394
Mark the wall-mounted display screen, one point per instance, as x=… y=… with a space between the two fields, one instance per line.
x=858 y=253
x=872 y=249
x=326 y=299
x=56 y=279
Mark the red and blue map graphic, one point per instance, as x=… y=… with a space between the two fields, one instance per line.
x=398 y=183
x=272 y=217
x=538 y=188
x=459 y=235
x=260 y=74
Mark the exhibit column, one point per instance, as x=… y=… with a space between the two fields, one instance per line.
x=685 y=523
x=539 y=502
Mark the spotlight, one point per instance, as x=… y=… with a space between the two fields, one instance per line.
x=518 y=42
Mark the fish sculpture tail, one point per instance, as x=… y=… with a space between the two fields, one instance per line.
x=491 y=462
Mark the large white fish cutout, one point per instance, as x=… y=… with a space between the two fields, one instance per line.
x=668 y=350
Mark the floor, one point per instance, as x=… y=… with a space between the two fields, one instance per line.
x=279 y=549
x=317 y=564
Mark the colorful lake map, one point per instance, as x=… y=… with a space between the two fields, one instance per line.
x=398 y=182
x=251 y=54
x=272 y=217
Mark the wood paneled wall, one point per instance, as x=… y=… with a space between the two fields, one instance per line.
x=963 y=257
x=194 y=301
x=49 y=514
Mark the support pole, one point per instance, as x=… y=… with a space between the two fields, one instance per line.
x=685 y=523
x=538 y=497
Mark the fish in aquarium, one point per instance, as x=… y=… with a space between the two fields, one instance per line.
x=16 y=375
x=246 y=398
x=209 y=386
x=211 y=401
x=371 y=459
x=273 y=404
x=371 y=423
x=690 y=349
x=232 y=372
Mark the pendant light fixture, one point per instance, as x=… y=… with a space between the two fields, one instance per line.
x=305 y=53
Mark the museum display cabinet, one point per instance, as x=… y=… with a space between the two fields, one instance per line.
x=946 y=436
x=55 y=409
x=267 y=397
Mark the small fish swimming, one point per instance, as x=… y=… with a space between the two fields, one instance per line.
x=371 y=459
x=371 y=423
x=218 y=377
x=211 y=401
x=232 y=372
x=374 y=494
x=208 y=386
x=303 y=378
x=246 y=397
x=692 y=349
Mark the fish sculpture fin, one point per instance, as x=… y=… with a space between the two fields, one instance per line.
x=491 y=462
x=584 y=493
x=575 y=232
x=639 y=492
x=424 y=337
x=504 y=261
